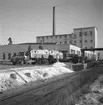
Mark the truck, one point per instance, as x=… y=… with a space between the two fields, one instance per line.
x=39 y=56
x=21 y=58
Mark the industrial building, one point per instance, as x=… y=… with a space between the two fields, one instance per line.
x=60 y=39
x=81 y=37
x=85 y=37
x=7 y=51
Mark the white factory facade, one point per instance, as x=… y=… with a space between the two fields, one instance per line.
x=81 y=37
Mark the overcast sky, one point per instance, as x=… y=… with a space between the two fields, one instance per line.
x=23 y=20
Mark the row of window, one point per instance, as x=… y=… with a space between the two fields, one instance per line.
x=90 y=47
x=85 y=33
x=60 y=36
x=9 y=55
x=74 y=52
x=85 y=41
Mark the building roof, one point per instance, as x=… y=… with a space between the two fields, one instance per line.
x=54 y=35
x=85 y=28
x=11 y=48
x=34 y=43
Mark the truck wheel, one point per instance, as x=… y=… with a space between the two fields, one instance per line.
x=14 y=63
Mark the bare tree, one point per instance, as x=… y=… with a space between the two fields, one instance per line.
x=10 y=41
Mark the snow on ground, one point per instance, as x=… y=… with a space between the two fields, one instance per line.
x=19 y=76
x=95 y=94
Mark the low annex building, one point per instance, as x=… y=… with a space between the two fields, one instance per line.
x=7 y=51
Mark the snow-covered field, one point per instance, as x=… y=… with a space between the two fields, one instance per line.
x=94 y=95
x=14 y=77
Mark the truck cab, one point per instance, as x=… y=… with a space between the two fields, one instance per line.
x=20 y=58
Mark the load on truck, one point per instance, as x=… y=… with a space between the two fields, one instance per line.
x=39 y=56
x=43 y=56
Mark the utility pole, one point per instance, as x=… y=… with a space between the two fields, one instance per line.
x=53 y=20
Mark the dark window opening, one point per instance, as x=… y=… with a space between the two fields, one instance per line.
x=14 y=54
x=80 y=33
x=65 y=42
x=70 y=42
x=75 y=42
x=3 y=55
x=85 y=41
x=75 y=36
x=91 y=40
x=91 y=33
x=80 y=41
x=60 y=36
x=9 y=55
x=65 y=36
x=85 y=33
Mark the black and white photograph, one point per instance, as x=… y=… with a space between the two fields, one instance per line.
x=51 y=52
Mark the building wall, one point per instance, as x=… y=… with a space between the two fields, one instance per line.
x=87 y=39
x=14 y=48
x=75 y=49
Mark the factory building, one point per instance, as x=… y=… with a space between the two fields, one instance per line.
x=85 y=37
x=60 y=39
x=81 y=37
x=7 y=51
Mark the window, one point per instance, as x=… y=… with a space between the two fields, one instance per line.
x=75 y=41
x=70 y=42
x=14 y=54
x=3 y=55
x=91 y=33
x=85 y=47
x=78 y=52
x=85 y=41
x=65 y=42
x=65 y=36
x=75 y=35
x=72 y=51
x=80 y=34
x=60 y=42
x=60 y=36
x=9 y=56
x=85 y=33
x=91 y=40
x=80 y=41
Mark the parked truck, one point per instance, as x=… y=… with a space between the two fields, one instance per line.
x=39 y=56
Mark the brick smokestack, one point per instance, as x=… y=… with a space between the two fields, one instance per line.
x=53 y=20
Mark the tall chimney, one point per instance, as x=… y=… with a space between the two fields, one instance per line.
x=53 y=21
